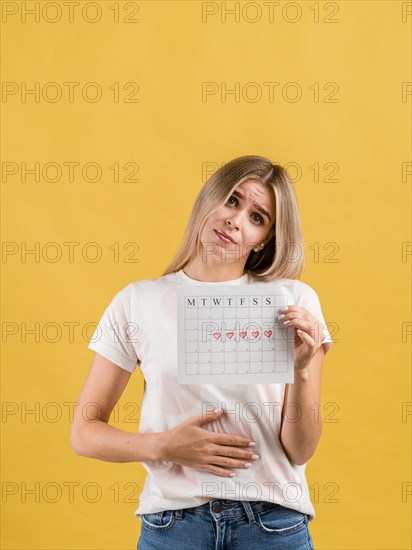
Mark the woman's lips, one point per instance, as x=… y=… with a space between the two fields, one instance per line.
x=222 y=237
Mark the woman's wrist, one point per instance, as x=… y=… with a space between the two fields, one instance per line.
x=302 y=374
x=156 y=446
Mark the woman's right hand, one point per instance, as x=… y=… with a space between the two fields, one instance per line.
x=190 y=445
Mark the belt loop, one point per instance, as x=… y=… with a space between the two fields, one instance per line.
x=178 y=514
x=249 y=511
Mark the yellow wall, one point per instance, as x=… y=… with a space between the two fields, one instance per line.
x=348 y=139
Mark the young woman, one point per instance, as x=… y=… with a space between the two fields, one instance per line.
x=232 y=479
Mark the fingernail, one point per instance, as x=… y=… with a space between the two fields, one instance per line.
x=286 y=322
x=284 y=308
x=255 y=457
x=248 y=465
x=252 y=444
x=232 y=474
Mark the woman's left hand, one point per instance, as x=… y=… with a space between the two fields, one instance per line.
x=308 y=333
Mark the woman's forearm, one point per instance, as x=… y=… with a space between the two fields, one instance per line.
x=302 y=426
x=105 y=442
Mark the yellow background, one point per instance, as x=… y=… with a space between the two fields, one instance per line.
x=362 y=464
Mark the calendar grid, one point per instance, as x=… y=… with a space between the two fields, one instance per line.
x=231 y=334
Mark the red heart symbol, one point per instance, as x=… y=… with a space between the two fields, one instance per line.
x=268 y=333
x=230 y=335
x=217 y=335
x=243 y=334
x=255 y=333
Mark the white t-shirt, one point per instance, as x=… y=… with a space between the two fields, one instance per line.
x=139 y=328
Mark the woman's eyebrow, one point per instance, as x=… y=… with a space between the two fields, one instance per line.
x=256 y=205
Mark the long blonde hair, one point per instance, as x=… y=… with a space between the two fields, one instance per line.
x=283 y=255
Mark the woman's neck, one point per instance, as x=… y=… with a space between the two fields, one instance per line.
x=202 y=271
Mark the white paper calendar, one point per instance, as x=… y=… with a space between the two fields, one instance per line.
x=231 y=335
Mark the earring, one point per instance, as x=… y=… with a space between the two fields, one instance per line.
x=257 y=249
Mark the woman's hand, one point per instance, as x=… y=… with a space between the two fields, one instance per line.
x=188 y=444
x=308 y=332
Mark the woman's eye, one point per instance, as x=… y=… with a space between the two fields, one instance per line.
x=260 y=220
x=231 y=198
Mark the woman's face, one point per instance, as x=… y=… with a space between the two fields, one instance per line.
x=247 y=219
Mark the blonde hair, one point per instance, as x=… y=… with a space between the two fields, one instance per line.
x=283 y=255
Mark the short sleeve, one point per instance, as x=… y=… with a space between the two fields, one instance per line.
x=306 y=297
x=112 y=335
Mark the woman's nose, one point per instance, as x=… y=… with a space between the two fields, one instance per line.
x=234 y=219
x=232 y=222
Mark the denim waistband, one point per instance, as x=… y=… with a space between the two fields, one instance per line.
x=221 y=508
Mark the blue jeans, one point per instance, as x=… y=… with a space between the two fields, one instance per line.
x=226 y=525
